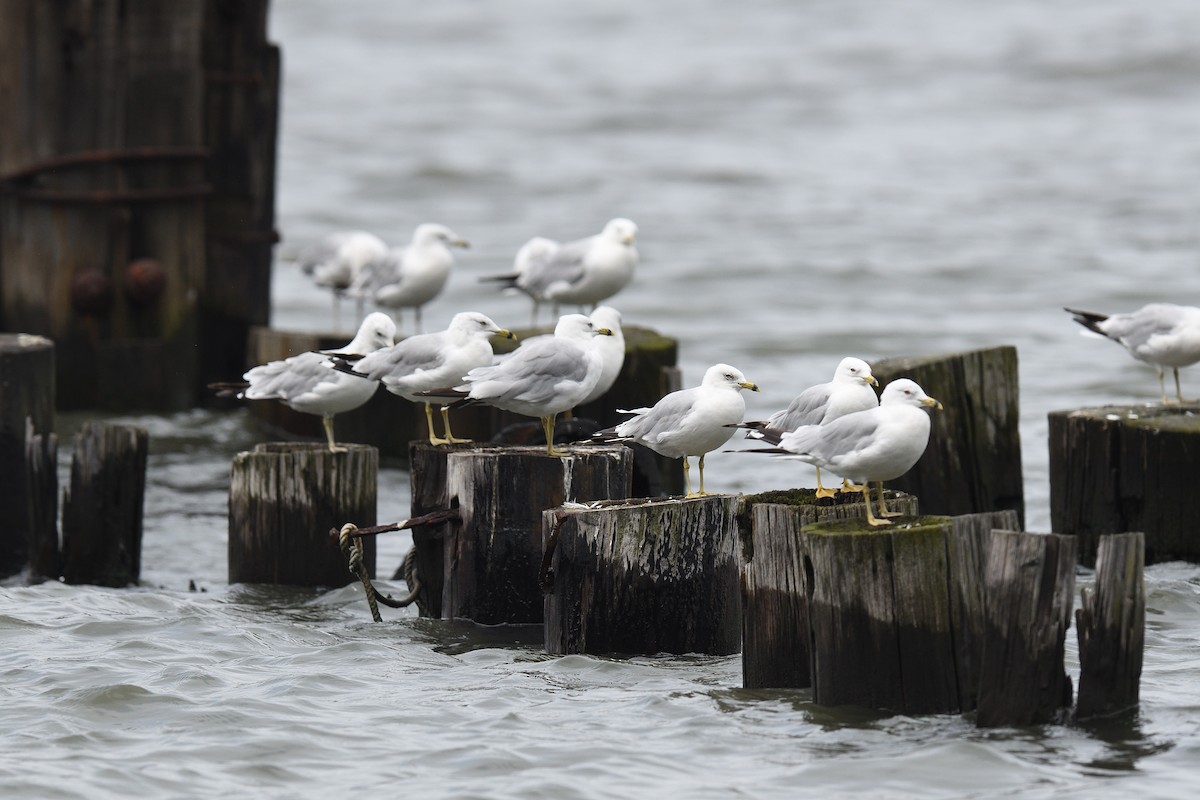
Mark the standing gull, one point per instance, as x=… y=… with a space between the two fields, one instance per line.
x=431 y=361
x=612 y=350
x=689 y=422
x=583 y=272
x=875 y=445
x=336 y=261
x=849 y=391
x=1162 y=334
x=544 y=377
x=411 y=276
x=308 y=383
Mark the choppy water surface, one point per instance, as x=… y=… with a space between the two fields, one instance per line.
x=811 y=180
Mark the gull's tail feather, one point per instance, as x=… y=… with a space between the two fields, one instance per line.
x=1088 y=319
x=230 y=388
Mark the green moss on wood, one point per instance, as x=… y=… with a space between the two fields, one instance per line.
x=905 y=524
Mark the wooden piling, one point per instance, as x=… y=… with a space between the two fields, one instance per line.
x=111 y=180
x=492 y=558
x=776 y=649
x=1029 y=583
x=973 y=461
x=1111 y=624
x=102 y=512
x=643 y=577
x=1127 y=468
x=284 y=497
x=28 y=455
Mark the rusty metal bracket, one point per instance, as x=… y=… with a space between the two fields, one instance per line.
x=12 y=183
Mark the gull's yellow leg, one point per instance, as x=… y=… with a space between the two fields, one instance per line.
x=701 y=462
x=548 y=429
x=883 y=512
x=871 y=518
x=687 y=477
x=1162 y=385
x=821 y=490
x=1178 y=391
x=847 y=486
x=433 y=437
x=327 y=420
x=450 y=438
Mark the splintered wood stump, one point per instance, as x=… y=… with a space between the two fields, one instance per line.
x=643 y=577
x=1127 y=468
x=492 y=558
x=427 y=484
x=1111 y=626
x=284 y=498
x=28 y=451
x=102 y=513
x=775 y=621
x=973 y=461
x=1029 y=582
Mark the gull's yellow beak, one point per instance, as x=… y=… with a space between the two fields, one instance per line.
x=460 y=243
x=870 y=380
x=931 y=403
x=505 y=333
x=748 y=385
x=603 y=332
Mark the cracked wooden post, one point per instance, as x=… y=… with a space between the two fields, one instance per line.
x=102 y=512
x=643 y=577
x=776 y=650
x=283 y=499
x=28 y=454
x=492 y=557
x=973 y=462
x=1029 y=583
x=1127 y=468
x=1111 y=626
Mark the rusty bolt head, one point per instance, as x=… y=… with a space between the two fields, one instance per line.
x=145 y=280
x=91 y=293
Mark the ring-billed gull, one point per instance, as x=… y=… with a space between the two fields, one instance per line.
x=412 y=275
x=1162 y=334
x=849 y=391
x=583 y=272
x=871 y=446
x=543 y=377
x=430 y=361
x=308 y=383
x=689 y=422
x=336 y=261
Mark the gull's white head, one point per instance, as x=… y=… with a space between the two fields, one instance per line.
x=536 y=249
x=725 y=375
x=853 y=370
x=607 y=317
x=377 y=331
x=903 y=391
x=433 y=233
x=577 y=326
x=470 y=324
x=621 y=230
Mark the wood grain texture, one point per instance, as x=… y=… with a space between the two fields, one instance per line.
x=1111 y=626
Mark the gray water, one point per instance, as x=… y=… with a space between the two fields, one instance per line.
x=812 y=180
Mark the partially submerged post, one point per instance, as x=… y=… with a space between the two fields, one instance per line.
x=283 y=499
x=1127 y=468
x=1111 y=625
x=492 y=557
x=776 y=651
x=102 y=512
x=973 y=462
x=643 y=577
x=28 y=453
x=1029 y=583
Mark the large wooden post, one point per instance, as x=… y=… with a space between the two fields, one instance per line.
x=776 y=651
x=492 y=558
x=973 y=462
x=284 y=498
x=28 y=453
x=102 y=513
x=1127 y=468
x=1111 y=626
x=1029 y=583
x=643 y=577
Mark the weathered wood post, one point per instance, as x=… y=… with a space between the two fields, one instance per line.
x=28 y=455
x=492 y=558
x=643 y=577
x=1127 y=468
x=1111 y=626
x=284 y=497
x=1029 y=583
x=973 y=462
x=105 y=183
x=102 y=513
x=776 y=651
